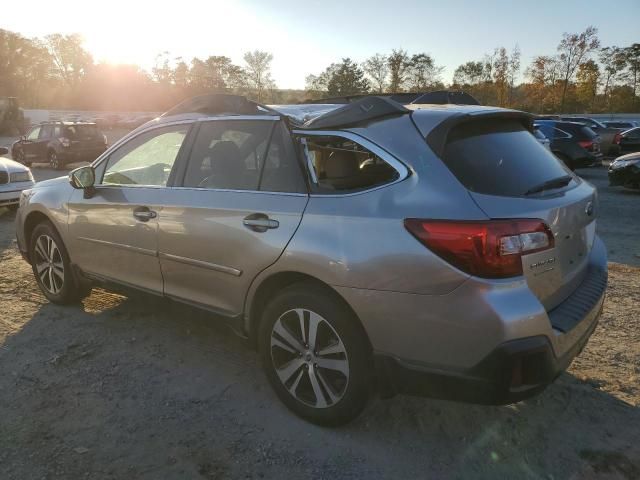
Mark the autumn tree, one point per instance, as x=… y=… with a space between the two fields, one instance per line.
x=573 y=49
x=632 y=57
x=587 y=80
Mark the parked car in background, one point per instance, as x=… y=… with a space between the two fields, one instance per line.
x=14 y=178
x=574 y=143
x=625 y=171
x=59 y=143
x=265 y=215
x=628 y=140
x=605 y=133
x=621 y=125
x=544 y=141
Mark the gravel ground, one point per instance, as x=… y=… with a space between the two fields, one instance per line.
x=136 y=388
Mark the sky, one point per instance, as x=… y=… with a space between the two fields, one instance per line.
x=306 y=36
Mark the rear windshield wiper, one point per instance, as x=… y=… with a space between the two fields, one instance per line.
x=550 y=184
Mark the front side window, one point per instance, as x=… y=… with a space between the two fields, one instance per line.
x=146 y=159
x=339 y=164
x=34 y=134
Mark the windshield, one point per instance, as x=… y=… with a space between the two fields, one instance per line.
x=81 y=131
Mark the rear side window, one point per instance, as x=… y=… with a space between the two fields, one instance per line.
x=81 y=131
x=499 y=157
x=244 y=155
x=339 y=164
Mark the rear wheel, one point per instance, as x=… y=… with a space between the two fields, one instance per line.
x=52 y=267
x=315 y=355
x=54 y=162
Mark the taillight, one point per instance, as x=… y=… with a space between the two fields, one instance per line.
x=64 y=141
x=586 y=144
x=617 y=138
x=490 y=249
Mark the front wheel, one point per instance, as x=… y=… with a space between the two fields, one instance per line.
x=52 y=267
x=315 y=355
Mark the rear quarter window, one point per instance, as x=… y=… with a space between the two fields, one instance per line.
x=499 y=157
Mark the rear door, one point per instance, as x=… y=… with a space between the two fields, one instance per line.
x=240 y=199
x=501 y=164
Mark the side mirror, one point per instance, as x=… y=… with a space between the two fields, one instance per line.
x=4 y=151
x=83 y=178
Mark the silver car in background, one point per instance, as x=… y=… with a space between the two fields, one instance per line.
x=431 y=250
x=14 y=178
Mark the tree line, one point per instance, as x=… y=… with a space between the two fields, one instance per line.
x=581 y=76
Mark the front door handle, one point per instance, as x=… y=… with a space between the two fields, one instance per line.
x=144 y=214
x=259 y=222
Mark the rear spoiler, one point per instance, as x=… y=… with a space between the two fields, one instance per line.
x=356 y=113
x=437 y=138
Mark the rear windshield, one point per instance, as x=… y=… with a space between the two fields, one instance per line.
x=499 y=157
x=81 y=131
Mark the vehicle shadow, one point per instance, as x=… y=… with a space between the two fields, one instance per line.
x=136 y=387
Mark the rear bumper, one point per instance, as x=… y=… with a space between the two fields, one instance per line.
x=626 y=176
x=514 y=370
x=480 y=343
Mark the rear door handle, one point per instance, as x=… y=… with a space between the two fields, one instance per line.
x=144 y=214
x=259 y=222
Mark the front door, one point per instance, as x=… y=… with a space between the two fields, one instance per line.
x=114 y=233
x=32 y=143
x=240 y=199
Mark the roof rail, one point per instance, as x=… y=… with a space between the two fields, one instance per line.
x=218 y=104
x=438 y=97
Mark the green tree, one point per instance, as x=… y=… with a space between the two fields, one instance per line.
x=70 y=59
x=347 y=79
x=377 y=67
x=258 y=71
x=422 y=73
x=398 y=64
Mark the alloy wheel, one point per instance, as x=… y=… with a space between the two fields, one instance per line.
x=53 y=160
x=309 y=358
x=49 y=264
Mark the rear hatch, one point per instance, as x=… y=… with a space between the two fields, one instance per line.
x=510 y=175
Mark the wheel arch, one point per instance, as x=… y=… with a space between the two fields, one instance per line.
x=277 y=282
x=32 y=220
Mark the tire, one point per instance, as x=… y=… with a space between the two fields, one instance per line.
x=54 y=161
x=330 y=388
x=52 y=268
x=19 y=156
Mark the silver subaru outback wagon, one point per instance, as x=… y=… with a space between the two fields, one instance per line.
x=421 y=249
